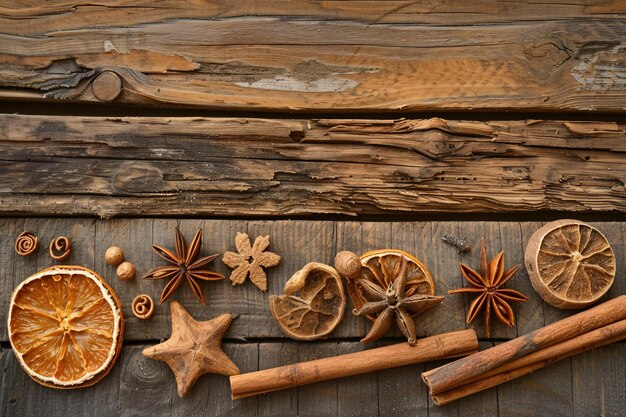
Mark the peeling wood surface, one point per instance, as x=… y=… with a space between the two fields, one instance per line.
x=30 y=16
x=240 y=167
x=321 y=56
x=579 y=386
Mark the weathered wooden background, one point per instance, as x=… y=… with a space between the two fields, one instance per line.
x=138 y=386
x=329 y=125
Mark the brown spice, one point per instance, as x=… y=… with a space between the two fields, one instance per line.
x=126 y=271
x=142 y=306
x=250 y=260
x=60 y=248
x=114 y=256
x=388 y=285
x=26 y=243
x=487 y=284
x=183 y=266
x=391 y=304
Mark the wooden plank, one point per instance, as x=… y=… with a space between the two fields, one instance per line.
x=401 y=391
x=32 y=17
x=598 y=379
x=21 y=396
x=107 y=167
x=278 y=403
x=530 y=315
x=298 y=242
x=322 y=58
x=357 y=396
x=545 y=392
x=319 y=399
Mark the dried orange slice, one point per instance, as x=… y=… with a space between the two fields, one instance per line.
x=570 y=263
x=313 y=303
x=65 y=326
x=383 y=266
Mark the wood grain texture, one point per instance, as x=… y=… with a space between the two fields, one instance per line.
x=141 y=387
x=32 y=17
x=320 y=56
x=299 y=242
x=53 y=165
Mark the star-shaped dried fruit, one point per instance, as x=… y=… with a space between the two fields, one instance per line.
x=184 y=266
x=194 y=348
x=487 y=284
x=250 y=260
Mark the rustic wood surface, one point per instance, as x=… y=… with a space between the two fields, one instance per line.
x=383 y=110
x=318 y=56
x=249 y=167
x=580 y=386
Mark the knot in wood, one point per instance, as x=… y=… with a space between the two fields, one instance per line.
x=107 y=86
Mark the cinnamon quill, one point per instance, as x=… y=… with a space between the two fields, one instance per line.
x=529 y=352
x=431 y=348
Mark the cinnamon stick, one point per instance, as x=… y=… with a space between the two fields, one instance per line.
x=462 y=371
x=537 y=360
x=441 y=346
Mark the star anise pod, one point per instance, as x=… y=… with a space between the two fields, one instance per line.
x=392 y=304
x=487 y=284
x=184 y=266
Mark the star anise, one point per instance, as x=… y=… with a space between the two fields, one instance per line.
x=488 y=283
x=392 y=304
x=184 y=266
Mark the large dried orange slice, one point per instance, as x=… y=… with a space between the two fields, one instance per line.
x=65 y=326
x=382 y=267
x=570 y=263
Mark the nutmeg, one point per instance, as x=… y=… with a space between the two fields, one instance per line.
x=114 y=256
x=348 y=264
x=126 y=271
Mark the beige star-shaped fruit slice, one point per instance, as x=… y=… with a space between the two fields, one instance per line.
x=194 y=348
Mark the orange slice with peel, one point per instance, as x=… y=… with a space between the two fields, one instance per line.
x=65 y=326
x=383 y=266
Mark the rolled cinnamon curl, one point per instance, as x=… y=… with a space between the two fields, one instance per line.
x=60 y=248
x=26 y=243
x=142 y=306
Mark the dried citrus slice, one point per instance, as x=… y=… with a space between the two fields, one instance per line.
x=65 y=326
x=570 y=263
x=313 y=303
x=382 y=267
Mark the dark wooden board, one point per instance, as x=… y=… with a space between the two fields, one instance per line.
x=323 y=57
x=54 y=165
x=141 y=387
x=299 y=242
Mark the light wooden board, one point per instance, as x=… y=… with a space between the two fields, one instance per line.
x=33 y=17
x=320 y=56
x=55 y=165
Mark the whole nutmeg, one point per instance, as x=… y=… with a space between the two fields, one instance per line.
x=114 y=256
x=348 y=264
x=126 y=271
